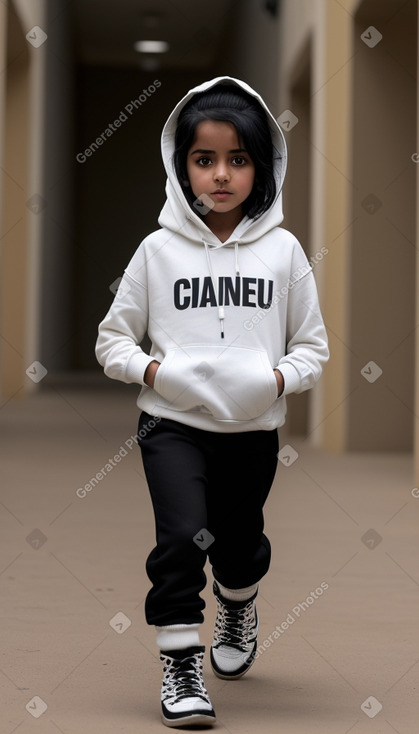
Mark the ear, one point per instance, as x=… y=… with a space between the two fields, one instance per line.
x=185 y=183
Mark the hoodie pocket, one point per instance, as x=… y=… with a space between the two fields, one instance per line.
x=230 y=383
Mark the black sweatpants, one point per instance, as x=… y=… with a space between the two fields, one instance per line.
x=208 y=490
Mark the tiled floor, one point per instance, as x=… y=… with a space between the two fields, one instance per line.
x=339 y=608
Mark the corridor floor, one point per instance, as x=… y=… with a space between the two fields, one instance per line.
x=339 y=608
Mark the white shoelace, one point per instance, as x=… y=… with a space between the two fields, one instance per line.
x=183 y=678
x=235 y=627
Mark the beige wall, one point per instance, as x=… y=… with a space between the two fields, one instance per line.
x=307 y=25
x=3 y=62
x=362 y=133
x=22 y=152
x=416 y=355
x=382 y=248
x=36 y=118
x=14 y=214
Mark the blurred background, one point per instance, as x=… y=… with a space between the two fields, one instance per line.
x=341 y=76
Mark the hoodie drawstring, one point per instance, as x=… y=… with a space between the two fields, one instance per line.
x=236 y=257
x=220 y=308
x=221 y=312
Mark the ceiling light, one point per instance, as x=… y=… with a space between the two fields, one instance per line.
x=151 y=47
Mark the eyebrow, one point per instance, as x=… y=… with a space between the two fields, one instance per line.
x=203 y=150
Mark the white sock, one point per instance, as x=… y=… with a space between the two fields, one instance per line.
x=177 y=636
x=238 y=594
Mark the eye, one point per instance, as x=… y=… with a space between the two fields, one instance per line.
x=238 y=160
x=203 y=161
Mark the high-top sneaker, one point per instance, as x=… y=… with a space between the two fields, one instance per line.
x=184 y=699
x=235 y=636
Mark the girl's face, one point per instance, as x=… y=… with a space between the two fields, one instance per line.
x=220 y=171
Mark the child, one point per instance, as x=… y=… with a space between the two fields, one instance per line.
x=230 y=305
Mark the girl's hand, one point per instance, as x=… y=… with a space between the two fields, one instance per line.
x=150 y=373
x=279 y=381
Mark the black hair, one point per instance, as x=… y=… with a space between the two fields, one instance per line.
x=227 y=103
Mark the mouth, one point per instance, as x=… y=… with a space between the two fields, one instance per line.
x=221 y=194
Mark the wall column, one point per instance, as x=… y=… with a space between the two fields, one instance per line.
x=331 y=216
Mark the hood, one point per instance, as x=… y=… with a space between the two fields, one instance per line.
x=178 y=216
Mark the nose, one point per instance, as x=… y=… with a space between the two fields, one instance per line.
x=221 y=172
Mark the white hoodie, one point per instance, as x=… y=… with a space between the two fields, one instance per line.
x=221 y=316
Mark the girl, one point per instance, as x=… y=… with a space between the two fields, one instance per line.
x=230 y=305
